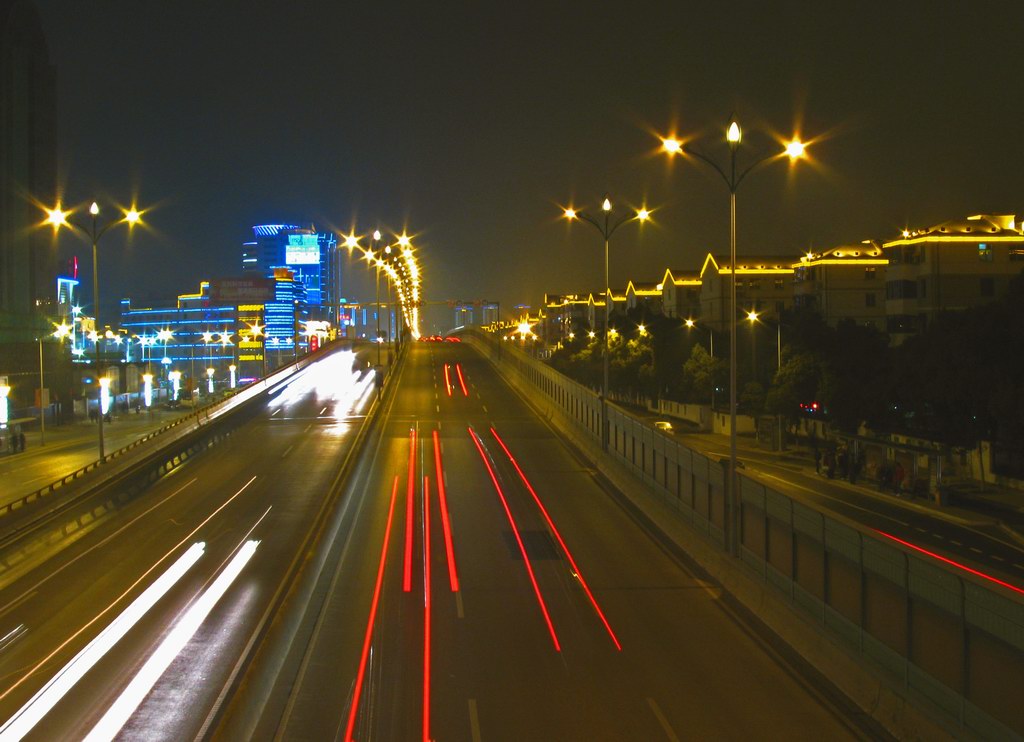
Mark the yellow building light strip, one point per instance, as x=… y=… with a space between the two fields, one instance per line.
x=975 y=239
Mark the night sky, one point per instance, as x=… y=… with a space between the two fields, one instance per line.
x=470 y=123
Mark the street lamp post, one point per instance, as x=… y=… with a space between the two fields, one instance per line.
x=373 y=252
x=607 y=228
x=794 y=150
x=58 y=218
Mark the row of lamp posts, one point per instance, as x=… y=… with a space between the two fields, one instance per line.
x=733 y=178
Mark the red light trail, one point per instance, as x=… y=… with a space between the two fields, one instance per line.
x=462 y=382
x=447 y=381
x=407 y=572
x=558 y=536
x=453 y=577
x=357 y=692
x=949 y=561
x=519 y=540
x=426 y=609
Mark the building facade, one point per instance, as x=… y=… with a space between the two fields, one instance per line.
x=843 y=283
x=947 y=267
x=311 y=256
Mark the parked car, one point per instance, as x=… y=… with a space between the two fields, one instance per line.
x=663 y=425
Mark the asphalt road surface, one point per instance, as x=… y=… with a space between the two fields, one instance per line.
x=501 y=613
x=263 y=483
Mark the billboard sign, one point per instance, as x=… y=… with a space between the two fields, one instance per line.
x=302 y=249
x=241 y=290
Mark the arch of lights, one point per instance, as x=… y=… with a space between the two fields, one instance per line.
x=402 y=270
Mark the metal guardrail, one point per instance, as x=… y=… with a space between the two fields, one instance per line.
x=945 y=635
x=242 y=395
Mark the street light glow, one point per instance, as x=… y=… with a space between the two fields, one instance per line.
x=672 y=146
x=690 y=323
x=132 y=216
x=643 y=215
x=795 y=149
x=570 y=213
x=376 y=235
x=94 y=209
x=607 y=205
x=752 y=316
x=57 y=217
x=734 y=134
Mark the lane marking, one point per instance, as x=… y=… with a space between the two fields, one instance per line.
x=954 y=541
x=1018 y=565
x=54 y=573
x=474 y=721
x=287 y=450
x=275 y=412
x=830 y=497
x=519 y=540
x=437 y=408
x=357 y=691
x=576 y=572
x=997 y=557
x=485 y=408
x=323 y=410
x=975 y=550
x=949 y=561
x=122 y=709
x=665 y=726
x=307 y=428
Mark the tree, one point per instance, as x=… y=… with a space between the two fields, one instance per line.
x=798 y=381
x=701 y=373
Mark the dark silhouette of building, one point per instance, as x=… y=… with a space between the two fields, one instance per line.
x=28 y=165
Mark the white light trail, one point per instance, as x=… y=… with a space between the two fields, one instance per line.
x=22 y=722
x=108 y=727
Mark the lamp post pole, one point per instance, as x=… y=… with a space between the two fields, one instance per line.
x=794 y=150
x=42 y=395
x=58 y=218
x=607 y=229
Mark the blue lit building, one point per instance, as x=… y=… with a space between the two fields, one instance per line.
x=311 y=256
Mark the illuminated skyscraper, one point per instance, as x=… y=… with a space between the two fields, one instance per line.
x=311 y=256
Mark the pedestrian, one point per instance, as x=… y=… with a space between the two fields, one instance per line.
x=897 y=478
x=21 y=441
x=817 y=460
x=830 y=464
x=842 y=462
x=14 y=443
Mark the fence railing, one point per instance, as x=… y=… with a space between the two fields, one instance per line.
x=944 y=634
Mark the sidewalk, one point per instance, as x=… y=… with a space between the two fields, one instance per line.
x=73 y=445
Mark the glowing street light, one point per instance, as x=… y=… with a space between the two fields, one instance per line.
x=57 y=218
x=795 y=150
x=607 y=228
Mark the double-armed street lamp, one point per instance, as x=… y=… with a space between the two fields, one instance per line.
x=733 y=178
x=92 y=230
x=607 y=226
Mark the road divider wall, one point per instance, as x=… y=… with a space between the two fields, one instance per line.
x=936 y=636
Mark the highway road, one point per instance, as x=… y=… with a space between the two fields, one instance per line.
x=130 y=603
x=486 y=586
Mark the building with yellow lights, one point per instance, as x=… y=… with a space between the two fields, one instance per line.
x=947 y=267
x=646 y=295
x=559 y=314
x=680 y=293
x=843 y=283
x=763 y=285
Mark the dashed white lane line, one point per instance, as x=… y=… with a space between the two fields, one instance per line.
x=1019 y=566
x=938 y=536
x=997 y=558
x=437 y=408
x=954 y=541
x=323 y=410
x=922 y=530
x=307 y=428
x=665 y=726
x=485 y=408
x=288 y=450
x=976 y=550
x=474 y=721
x=275 y=412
